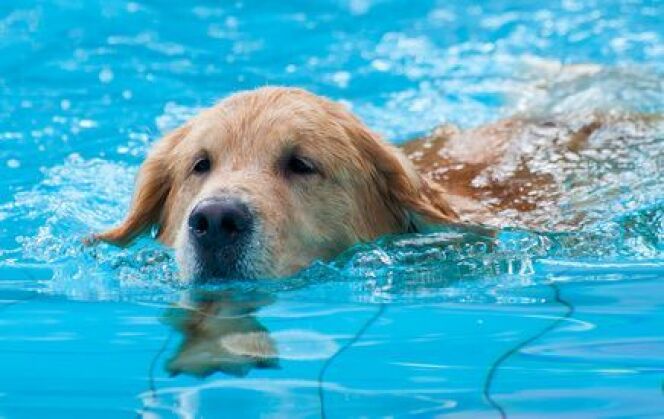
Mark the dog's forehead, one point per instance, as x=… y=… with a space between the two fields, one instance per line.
x=237 y=126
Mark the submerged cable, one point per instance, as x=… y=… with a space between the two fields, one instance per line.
x=321 y=374
x=151 y=381
x=490 y=378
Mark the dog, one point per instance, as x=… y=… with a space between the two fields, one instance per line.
x=269 y=180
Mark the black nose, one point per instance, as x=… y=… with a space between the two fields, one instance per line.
x=215 y=223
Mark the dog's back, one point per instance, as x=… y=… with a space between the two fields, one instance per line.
x=536 y=172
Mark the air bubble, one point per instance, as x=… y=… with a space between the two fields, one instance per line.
x=106 y=75
x=13 y=164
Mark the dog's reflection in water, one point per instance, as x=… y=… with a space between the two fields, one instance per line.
x=220 y=333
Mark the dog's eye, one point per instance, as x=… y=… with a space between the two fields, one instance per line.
x=202 y=165
x=300 y=166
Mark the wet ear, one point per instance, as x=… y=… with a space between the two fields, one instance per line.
x=415 y=200
x=422 y=200
x=152 y=187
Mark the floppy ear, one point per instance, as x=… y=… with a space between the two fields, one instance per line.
x=418 y=200
x=152 y=187
x=413 y=199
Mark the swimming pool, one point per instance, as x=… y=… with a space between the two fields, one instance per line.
x=547 y=325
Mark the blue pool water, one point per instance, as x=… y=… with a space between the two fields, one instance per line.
x=544 y=325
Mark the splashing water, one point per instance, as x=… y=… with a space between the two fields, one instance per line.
x=616 y=187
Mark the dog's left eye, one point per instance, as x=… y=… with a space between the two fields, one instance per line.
x=202 y=165
x=300 y=166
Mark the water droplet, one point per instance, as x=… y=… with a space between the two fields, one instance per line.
x=231 y=22
x=341 y=78
x=65 y=104
x=106 y=75
x=87 y=123
x=13 y=164
x=381 y=65
x=132 y=7
x=154 y=231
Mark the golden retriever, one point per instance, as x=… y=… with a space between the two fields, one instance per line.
x=269 y=180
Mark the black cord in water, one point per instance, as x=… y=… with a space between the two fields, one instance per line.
x=321 y=374
x=153 y=364
x=490 y=378
x=151 y=381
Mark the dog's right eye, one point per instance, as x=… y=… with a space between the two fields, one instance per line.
x=300 y=166
x=202 y=166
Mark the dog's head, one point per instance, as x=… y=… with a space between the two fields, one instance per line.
x=269 y=180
